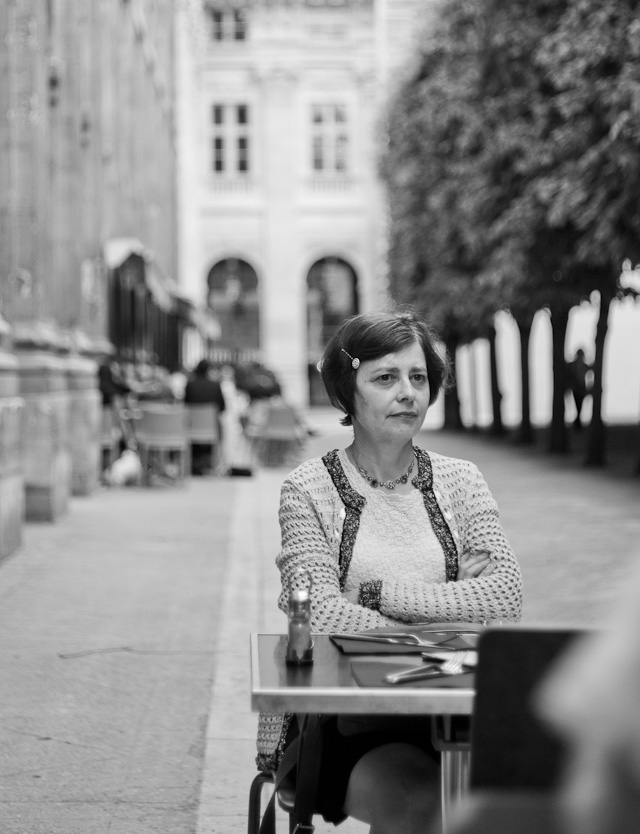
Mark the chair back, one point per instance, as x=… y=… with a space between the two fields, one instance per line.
x=203 y=423
x=280 y=423
x=510 y=747
x=162 y=425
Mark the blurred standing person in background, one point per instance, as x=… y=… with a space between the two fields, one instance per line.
x=202 y=388
x=579 y=382
x=235 y=446
x=115 y=391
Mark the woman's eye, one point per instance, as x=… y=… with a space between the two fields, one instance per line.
x=420 y=379
x=384 y=378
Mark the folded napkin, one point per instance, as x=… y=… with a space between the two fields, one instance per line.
x=372 y=673
x=351 y=645
x=425 y=629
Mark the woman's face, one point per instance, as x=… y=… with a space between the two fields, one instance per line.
x=392 y=395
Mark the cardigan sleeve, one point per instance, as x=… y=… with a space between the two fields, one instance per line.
x=306 y=546
x=497 y=596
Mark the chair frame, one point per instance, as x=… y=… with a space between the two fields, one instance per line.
x=511 y=749
x=203 y=427
x=278 y=438
x=167 y=437
x=285 y=799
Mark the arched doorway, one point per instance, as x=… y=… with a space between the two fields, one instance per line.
x=233 y=298
x=332 y=296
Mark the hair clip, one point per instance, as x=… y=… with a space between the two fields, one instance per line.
x=355 y=363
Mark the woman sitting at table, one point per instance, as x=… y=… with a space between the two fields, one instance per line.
x=389 y=534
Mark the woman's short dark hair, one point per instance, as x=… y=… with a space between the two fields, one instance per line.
x=370 y=336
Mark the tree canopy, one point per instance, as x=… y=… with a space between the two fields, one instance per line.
x=513 y=161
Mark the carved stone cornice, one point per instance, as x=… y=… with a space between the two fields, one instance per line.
x=276 y=78
x=223 y=5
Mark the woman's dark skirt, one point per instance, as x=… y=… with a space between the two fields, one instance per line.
x=346 y=739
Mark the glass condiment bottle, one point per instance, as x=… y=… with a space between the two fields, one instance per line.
x=299 y=641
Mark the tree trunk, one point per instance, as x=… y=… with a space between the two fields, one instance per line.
x=558 y=435
x=497 y=426
x=452 y=415
x=595 y=454
x=525 y=432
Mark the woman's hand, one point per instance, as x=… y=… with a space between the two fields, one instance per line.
x=475 y=563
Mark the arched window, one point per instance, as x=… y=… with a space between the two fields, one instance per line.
x=332 y=296
x=233 y=298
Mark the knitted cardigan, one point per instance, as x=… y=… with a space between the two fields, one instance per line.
x=319 y=519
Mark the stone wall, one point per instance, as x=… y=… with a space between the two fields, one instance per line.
x=11 y=455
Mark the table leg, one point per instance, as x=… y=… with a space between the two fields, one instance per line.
x=450 y=735
x=454 y=780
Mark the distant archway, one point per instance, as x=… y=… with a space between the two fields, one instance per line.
x=233 y=298
x=332 y=296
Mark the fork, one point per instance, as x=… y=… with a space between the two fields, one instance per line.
x=453 y=666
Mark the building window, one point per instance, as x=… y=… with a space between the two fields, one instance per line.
x=231 y=142
x=227 y=25
x=233 y=298
x=329 y=138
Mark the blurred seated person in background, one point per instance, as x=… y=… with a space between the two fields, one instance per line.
x=177 y=382
x=154 y=384
x=258 y=381
x=202 y=388
x=389 y=534
x=591 y=699
x=110 y=382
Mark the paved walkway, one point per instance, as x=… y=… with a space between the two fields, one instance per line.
x=125 y=686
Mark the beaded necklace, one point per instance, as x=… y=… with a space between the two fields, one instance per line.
x=387 y=484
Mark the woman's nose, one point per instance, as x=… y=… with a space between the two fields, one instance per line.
x=405 y=390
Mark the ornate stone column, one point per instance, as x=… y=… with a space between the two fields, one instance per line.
x=44 y=387
x=85 y=417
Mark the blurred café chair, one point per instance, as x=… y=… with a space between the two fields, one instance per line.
x=516 y=760
x=163 y=445
x=279 y=437
x=203 y=429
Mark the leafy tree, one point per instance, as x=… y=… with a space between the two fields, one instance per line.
x=513 y=173
x=592 y=60
x=436 y=189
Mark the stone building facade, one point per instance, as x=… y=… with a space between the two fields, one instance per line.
x=282 y=213
x=86 y=125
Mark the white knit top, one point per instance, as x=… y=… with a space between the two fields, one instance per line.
x=328 y=516
x=387 y=544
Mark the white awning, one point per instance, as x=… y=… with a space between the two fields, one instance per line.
x=116 y=250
